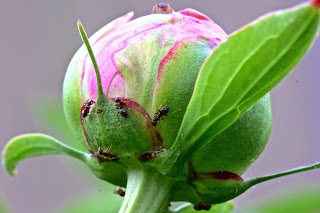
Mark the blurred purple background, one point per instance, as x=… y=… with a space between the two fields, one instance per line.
x=39 y=38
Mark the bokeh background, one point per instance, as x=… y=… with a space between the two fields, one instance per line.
x=38 y=39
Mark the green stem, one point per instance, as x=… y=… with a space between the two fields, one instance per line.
x=147 y=191
x=94 y=62
x=255 y=181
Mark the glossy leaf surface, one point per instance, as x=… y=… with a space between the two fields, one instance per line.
x=241 y=70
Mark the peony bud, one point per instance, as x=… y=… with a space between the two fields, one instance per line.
x=169 y=115
x=148 y=70
x=148 y=63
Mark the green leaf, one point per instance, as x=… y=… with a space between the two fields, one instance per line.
x=32 y=145
x=226 y=207
x=294 y=200
x=242 y=70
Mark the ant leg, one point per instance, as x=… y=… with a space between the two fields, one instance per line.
x=156 y=113
x=108 y=149
x=170 y=9
x=115 y=109
x=161 y=105
x=153 y=9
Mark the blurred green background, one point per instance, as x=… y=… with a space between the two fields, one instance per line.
x=38 y=39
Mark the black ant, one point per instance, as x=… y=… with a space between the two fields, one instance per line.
x=86 y=108
x=149 y=155
x=106 y=153
x=118 y=102
x=162 y=112
x=200 y=207
x=120 y=192
x=146 y=156
x=120 y=105
x=162 y=7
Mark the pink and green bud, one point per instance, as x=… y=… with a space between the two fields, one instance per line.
x=173 y=109
x=148 y=63
x=146 y=66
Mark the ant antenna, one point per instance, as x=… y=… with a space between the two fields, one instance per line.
x=162 y=104
x=174 y=112
x=94 y=62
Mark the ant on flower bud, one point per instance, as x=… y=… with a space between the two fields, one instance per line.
x=162 y=112
x=120 y=105
x=106 y=153
x=120 y=192
x=162 y=7
x=202 y=207
x=85 y=109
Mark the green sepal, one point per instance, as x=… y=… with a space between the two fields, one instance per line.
x=239 y=72
x=72 y=94
x=105 y=127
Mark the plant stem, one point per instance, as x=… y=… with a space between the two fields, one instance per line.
x=288 y=172
x=147 y=191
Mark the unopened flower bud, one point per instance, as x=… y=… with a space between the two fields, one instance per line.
x=148 y=69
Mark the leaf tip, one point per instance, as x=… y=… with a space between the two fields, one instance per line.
x=11 y=172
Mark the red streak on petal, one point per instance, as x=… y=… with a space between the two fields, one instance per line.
x=176 y=47
x=316 y=3
x=195 y=14
x=166 y=59
x=223 y=175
